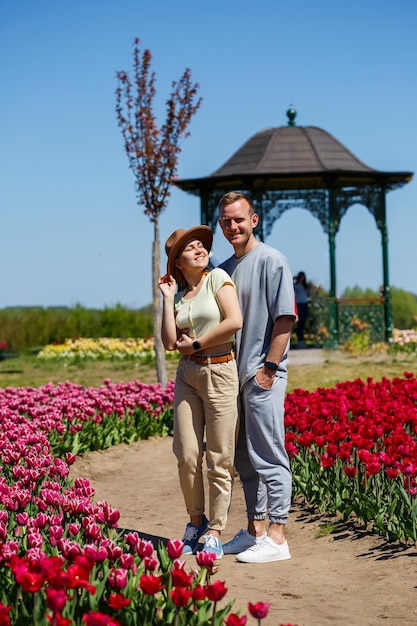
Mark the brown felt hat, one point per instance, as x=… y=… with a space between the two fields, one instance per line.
x=177 y=240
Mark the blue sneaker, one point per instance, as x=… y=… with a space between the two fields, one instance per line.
x=214 y=545
x=191 y=536
x=240 y=542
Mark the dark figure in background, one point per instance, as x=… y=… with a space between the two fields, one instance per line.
x=302 y=296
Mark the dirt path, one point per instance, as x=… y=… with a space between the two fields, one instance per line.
x=341 y=579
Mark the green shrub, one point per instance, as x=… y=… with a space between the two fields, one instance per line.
x=30 y=328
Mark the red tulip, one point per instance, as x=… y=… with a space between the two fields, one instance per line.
x=4 y=614
x=55 y=599
x=180 y=596
x=216 y=591
x=199 y=593
x=118 y=601
x=350 y=471
x=327 y=461
x=78 y=576
x=259 y=610
x=180 y=578
x=57 y=620
x=150 y=584
x=235 y=620
x=99 y=619
x=30 y=581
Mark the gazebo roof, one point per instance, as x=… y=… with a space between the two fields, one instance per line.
x=289 y=150
x=293 y=157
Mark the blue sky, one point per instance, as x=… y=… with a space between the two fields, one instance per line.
x=71 y=230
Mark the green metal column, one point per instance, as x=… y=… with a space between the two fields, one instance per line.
x=203 y=208
x=382 y=225
x=334 y=330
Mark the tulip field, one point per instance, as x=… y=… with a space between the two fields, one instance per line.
x=354 y=451
x=63 y=559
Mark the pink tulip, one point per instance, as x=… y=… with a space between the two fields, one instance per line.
x=118 y=578
x=174 y=548
x=98 y=554
x=127 y=560
x=73 y=529
x=150 y=563
x=145 y=548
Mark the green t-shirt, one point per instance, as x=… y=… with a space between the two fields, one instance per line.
x=202 y=313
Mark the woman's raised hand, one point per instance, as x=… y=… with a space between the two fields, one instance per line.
x=168 y=285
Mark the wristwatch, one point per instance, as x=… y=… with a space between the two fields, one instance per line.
x=196 y=345
x=271 y=365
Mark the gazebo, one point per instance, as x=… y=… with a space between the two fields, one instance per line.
x=306 y=167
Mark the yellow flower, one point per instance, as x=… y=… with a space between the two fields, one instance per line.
x=103 y=348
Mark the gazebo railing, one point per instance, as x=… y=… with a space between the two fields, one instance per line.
x=337 y=320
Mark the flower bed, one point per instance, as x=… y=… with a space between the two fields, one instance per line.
x=104 y=348
x=78 y=419
x=63 y=560
x=353 y=449
x=403 y=340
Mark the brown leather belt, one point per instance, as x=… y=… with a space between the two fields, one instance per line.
x=210 y=360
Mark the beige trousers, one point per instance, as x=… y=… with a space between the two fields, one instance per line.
x=205 y=404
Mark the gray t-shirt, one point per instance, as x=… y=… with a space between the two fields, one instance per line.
x=265 y=290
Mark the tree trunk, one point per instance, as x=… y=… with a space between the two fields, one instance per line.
x=157 y=307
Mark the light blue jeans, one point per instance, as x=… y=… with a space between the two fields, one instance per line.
x=261 y=458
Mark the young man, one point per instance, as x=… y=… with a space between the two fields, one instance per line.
x=265 y=289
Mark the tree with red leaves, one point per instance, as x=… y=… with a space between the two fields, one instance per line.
x=153 y=155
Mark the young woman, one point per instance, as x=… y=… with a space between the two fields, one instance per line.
x=200 y=317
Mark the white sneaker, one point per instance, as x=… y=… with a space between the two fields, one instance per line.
x=240 y=542
x=264 y=551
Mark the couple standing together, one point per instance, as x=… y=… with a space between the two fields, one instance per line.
x=247 y=302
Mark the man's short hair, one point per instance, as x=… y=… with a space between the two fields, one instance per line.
x=234 y=196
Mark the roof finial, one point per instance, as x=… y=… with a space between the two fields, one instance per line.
x=291 y=114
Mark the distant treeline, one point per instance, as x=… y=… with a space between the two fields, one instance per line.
x=30 y=328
